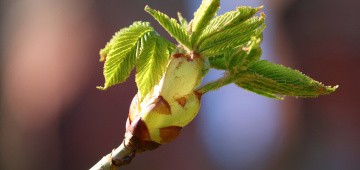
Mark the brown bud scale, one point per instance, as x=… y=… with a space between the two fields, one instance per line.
x=161 y=106
x=140 y=145
x=181 y=101
x=168 y=134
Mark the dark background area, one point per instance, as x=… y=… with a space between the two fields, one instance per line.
x=53 y=117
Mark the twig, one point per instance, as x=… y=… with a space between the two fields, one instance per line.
x=120 y=156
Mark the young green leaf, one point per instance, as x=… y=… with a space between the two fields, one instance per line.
x=151 y=64
x=171 y=26
x=255 y=89
x=228 y=59
x=182 y=20
x=202 y=18
x=253 y=51
x=272 y=80
x=121 y=52
x=218 y=62
x=228 y=20
x=232 y=37
x=245 y=56
x=237 y=59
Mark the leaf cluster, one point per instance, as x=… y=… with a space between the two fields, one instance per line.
x=135 y=46
x=230 y=42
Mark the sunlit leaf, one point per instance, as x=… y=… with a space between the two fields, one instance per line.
x=151 y=64
x=232 y=37
x=228 y=20
x=273 y=80
x=121 y=52
x=171 y=26
x=182 y=20
x=202 y=17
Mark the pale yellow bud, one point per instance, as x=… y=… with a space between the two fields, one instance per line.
x=172 y=104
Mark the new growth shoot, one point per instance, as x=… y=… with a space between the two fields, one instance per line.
x=168 y=76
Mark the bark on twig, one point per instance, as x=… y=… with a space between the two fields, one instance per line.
x=120 y=156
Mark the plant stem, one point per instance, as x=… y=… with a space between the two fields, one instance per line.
x=225 y=80
x=120 y=156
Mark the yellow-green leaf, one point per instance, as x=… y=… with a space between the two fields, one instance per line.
x=171 y=26
x=121 y=52
x=151 y=64
x=202 y=17
x=273 y=80
x=228 y=20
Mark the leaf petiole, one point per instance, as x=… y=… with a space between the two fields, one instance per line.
x=216 y=84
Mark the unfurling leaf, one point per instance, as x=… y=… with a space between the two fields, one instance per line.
x=171 y=26
x=276 y=81
x=228 y=20
x=233 y=37
x=218 y=63
x=202 y=18
x=243 y=57
x=237 y=59
x=151 y=64
x=182 y=20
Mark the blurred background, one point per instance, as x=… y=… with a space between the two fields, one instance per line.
x=53 y=117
